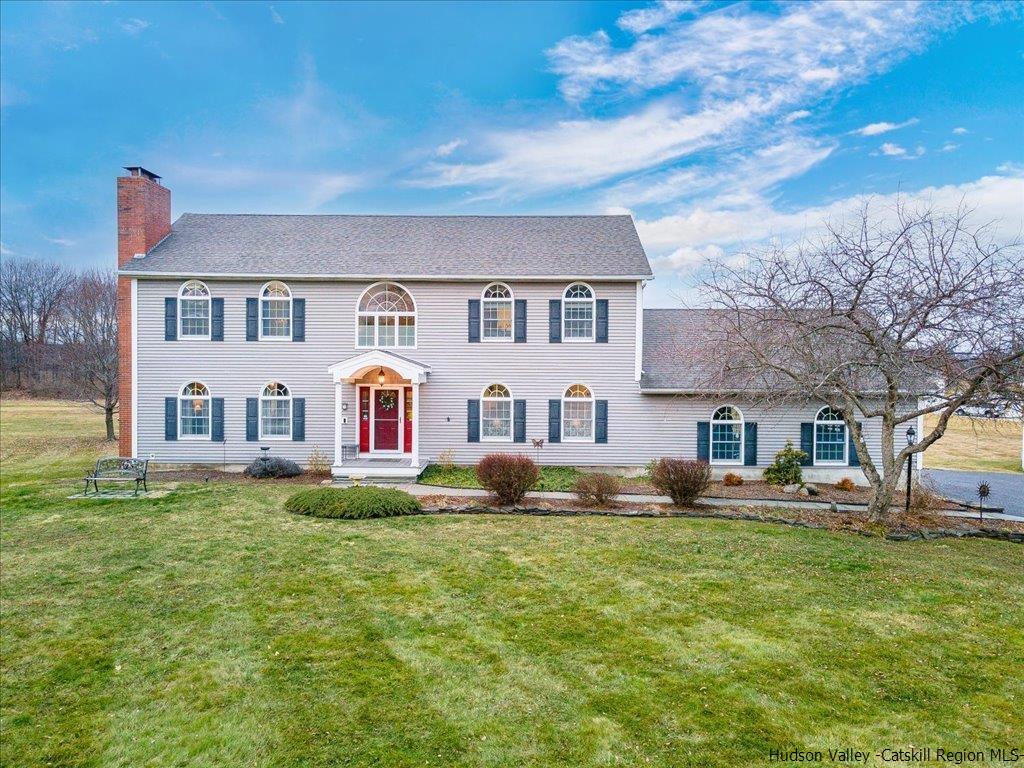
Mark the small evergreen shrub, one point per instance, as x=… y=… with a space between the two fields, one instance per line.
x=599 y=489
x=357 y=503
x=732 y=479
x=273 y=466
x=682 y=480
x=846 y=484
x=785 y=470
x=507 y=477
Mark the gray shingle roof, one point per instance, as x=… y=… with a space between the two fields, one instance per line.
x=679 y=350
x=398 y=246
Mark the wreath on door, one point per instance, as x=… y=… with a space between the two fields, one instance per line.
x=388 y=400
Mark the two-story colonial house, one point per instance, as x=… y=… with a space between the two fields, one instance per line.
x=386 y=342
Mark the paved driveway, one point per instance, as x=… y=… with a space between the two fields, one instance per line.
x=1007 y=487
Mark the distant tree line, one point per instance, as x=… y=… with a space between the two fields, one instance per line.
x=58 y=333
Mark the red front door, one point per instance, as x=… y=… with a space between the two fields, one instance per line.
x=386 y=404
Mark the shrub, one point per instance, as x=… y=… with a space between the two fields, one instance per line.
x=785 y=470
x=924 y=498
x=317 y=463
x=507 y=477
x=599 y=489
x=446 y=459
x=354 y=503
x=732 y=479
x=683 y=480
x=846 y=484
x=273 y=466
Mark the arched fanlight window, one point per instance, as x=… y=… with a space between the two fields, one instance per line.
x=275 y=311
x=496 y=315
x=578 y=313
x=496 y=413
x=830 y=441
x=578 y=414
x=386 y=317
x=194 y=411
x=727 y=435
x=194 y=311
x=275 y=411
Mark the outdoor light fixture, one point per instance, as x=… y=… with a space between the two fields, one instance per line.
x=911 y=436
x=380 y=376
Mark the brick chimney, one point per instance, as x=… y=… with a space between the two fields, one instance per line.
x=143 y=220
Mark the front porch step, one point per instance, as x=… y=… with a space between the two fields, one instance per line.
x=377 y=471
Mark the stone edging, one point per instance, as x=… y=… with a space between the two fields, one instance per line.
x=1016 y=537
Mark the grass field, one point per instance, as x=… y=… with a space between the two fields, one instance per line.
x=983 y=445
x=209 y=628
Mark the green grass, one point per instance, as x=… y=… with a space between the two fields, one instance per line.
x=209 y=627
x=551 y=478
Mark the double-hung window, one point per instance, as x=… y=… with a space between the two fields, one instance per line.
x=496 y=316
x=496 y=413
x=275 y=311
x=275 y=412
x=194 y=412
x=830 y=441
x=727 y=436
x=194 y=311
x=578 y=414
x=578 y=313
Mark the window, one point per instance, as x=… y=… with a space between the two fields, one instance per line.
x=727 y=436
x=387 y=317
x=275 y=311
x=194 y=412
x=194 y=311
x=496 y=413
x=829 y=437
x=275 y=411
x=578 y=414
x=578 y=313
x=497 y=312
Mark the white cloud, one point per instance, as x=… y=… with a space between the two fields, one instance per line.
x=447 y=148
x=799 y=114
x=949 y=146
x=63 y=242
x=892 y=150
x=960 y=131
x=276 y=16
x=133 y=26
x=314 y=188
x=4 y=250
x=640 y=20
x=876 y=129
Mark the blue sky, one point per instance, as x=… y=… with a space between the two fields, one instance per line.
x=718 y=126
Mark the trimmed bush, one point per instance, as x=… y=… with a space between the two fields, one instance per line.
x=599 y=489
x=785 y=470
x=846 y=484
x=507 y=477
x=273 y=466
x=732 y=479
x=359 y=503
x=682 y=480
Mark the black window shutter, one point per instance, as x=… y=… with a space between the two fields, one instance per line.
x=704 y=440
x=170 y=418
x=298 y=319
x=555 y=320
x=474 y=320
x=473 y=421
x=600 y=421
x=807 y=442
x=520 y=322
x=750 y=444
x=170 y=319
x=519 y=421
x=298 y=419
x=217 y=319
x=851 y=452
x=601 y=326
x=554 y=421
x=217 y=420
x=252 y=419
x=252 y=320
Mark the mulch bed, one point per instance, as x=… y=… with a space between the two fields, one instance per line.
x=218 y=476
x=758 y=489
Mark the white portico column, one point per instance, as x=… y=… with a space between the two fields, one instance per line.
x=414 y=457
x=337 y=423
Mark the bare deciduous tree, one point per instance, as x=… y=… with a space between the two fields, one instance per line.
x=88 y=334
x=897 y=316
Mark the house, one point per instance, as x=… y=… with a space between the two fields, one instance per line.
x=386 y=342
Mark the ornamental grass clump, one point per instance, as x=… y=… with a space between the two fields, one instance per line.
x=507 y=477
x=273 y=466
x=360 y=503
x=598 y=488
x=682 y=480
x=731 y=479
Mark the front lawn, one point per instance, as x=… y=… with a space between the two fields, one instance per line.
x=210 y=627
x=977 y=445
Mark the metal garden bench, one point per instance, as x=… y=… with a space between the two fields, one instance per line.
x=119 y=470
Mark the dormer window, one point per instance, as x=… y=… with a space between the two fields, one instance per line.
x=496 y=317
x=386 y=317
x=193 y=311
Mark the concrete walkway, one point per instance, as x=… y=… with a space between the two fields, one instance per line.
x=419 y=489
